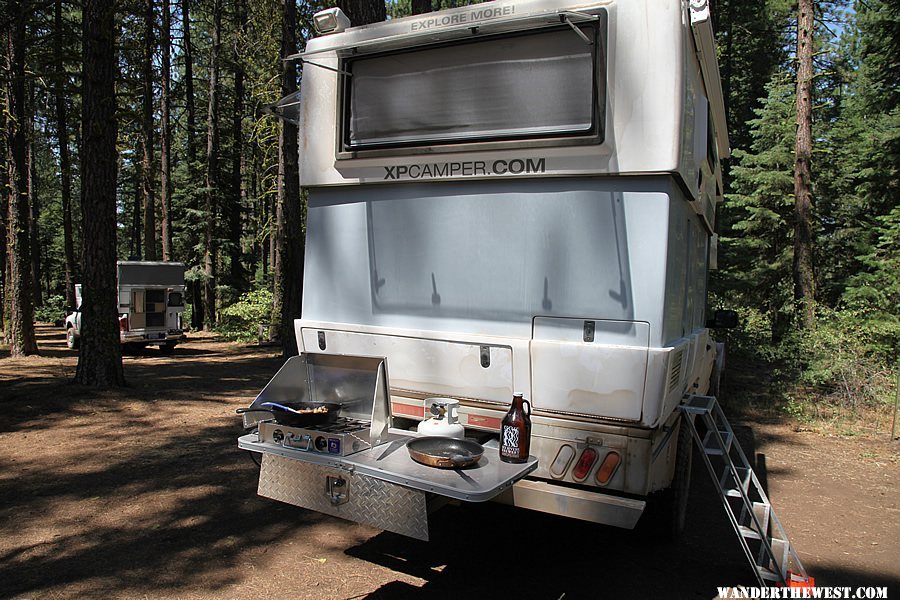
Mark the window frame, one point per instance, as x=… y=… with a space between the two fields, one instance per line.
x=594 y=136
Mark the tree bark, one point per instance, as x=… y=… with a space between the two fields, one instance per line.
x=4 y=187
x=65 y=162
x=137 y=233
x=289 y=247
x=421 y=6
x=100 y=354
x=212 y=174
x=147 y=188
x=195 y=288
x=236 y=274
x=20 y=328
x=189 y=85
x=165 y=134
x=363 y=12
x=804 y=276
x=34 y=204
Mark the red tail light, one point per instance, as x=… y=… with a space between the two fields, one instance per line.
x=583 y=467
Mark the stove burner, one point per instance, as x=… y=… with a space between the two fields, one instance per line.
x=342 y=437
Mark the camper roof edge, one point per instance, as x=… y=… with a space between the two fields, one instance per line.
x=428 y=26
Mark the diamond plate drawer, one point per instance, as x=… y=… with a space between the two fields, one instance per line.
x=345 y=494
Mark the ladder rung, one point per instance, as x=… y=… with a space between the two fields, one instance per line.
x=759 y=531
x=699 y=404
x=781 y=550
x=730 y=486
x=762 y=511
x=711 y=443
x=748 y=532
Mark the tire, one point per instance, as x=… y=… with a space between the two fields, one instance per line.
x=167 y=348
x=681 y=482
x=717 y=377
x=72 y=341
x=667 y=509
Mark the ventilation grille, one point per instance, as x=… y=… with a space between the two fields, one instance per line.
x=675 y=369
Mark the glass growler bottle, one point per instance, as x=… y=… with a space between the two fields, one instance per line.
x=515 y=432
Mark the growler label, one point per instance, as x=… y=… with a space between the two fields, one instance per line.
x=510 y=441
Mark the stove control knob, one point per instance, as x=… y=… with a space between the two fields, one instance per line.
x=321 y=444
x=278 y=436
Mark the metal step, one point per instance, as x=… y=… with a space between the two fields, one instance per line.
x=762 y=511
x=711 y=443
x=728 y=483
x=759 y=532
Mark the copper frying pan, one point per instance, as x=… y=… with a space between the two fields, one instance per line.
x=444 y=452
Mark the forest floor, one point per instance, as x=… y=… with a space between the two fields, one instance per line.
x=142 y=492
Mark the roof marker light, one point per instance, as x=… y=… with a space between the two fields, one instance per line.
x=332 y=20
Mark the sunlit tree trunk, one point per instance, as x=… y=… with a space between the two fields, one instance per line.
x=147 y=189
x=236 y=274
x=212 y=174
x=20 y=325
x=804 y=275
x=165 y=134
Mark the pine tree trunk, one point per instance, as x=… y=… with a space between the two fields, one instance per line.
x=421 y=6
x=236 y=271
x=65 y=163
x=804 y=277
x=289 y=247
x=148 y=191
x=363 y=12
x=20 y=328
x=189 y=85
x=137 y=233
x=100 y=354
x=165 y=134
x=195 y=288
x=4 y=195
x=212 y=174
x=34 y=203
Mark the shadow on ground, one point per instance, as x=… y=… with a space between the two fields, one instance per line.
x=143 y=492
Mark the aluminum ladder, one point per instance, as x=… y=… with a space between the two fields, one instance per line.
x=762 y=538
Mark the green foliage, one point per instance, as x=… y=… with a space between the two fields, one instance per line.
x=241 y=320
x=53 y=310
x=757 y=217
x=845 y=359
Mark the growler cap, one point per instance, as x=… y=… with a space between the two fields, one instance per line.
x=518 y=394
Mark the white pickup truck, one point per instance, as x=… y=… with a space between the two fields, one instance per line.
x=151 y=303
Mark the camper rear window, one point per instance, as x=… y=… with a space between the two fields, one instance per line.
x=539 y=84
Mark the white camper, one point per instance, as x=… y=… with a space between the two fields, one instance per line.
x=515 y=196
x=151 y=303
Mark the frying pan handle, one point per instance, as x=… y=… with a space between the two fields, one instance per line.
x=241 y=411
x=459 y=460
x=276 y=405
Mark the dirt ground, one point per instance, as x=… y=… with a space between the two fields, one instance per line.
x=143 y=493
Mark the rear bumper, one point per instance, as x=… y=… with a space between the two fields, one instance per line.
x=150 y=337
x=577 y=504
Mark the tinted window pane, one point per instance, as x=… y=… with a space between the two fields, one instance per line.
x=523 y=86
